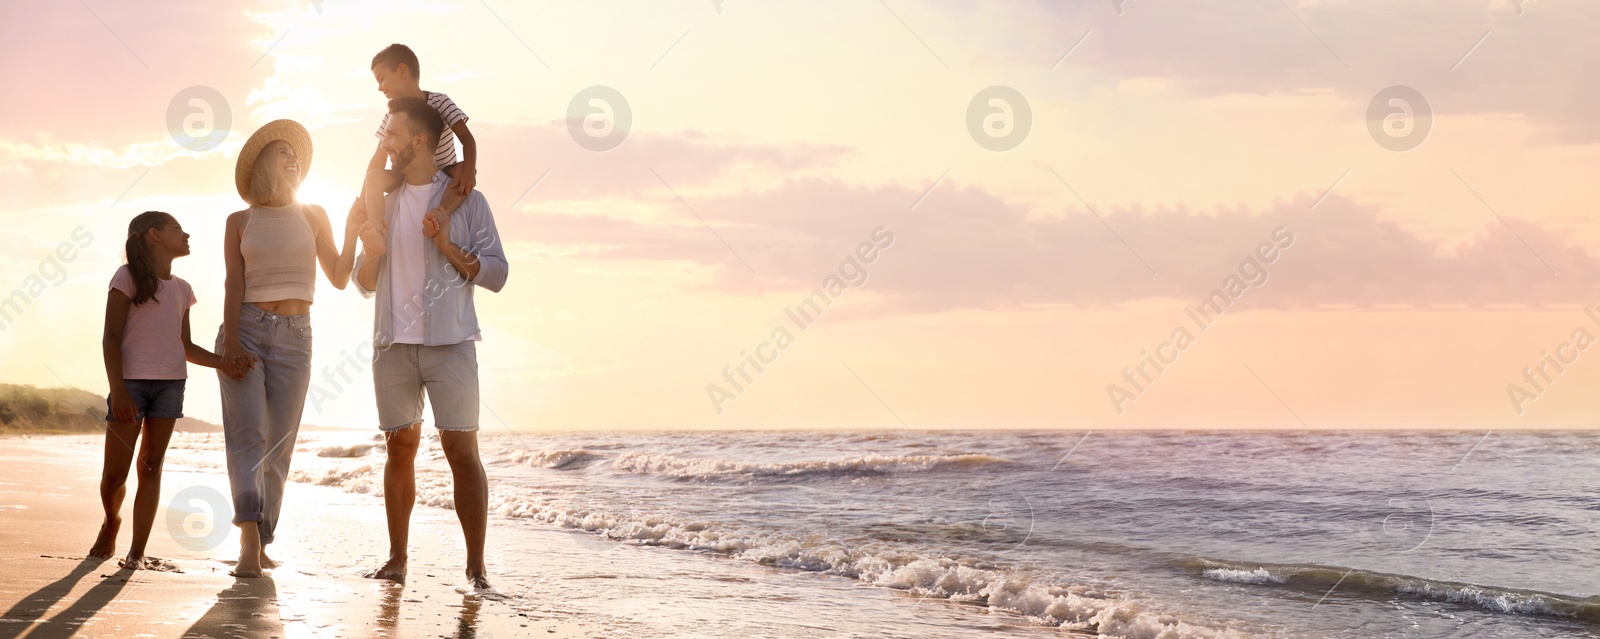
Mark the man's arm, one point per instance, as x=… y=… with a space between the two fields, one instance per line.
x=374 y=241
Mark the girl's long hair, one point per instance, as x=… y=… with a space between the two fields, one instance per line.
x=145 y=282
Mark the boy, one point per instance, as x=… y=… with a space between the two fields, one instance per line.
x=396 y=70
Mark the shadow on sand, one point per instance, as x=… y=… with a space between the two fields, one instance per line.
x=22 y=617
x=248 y=608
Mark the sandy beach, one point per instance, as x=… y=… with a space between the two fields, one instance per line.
x=49 y=514
x=553 y=580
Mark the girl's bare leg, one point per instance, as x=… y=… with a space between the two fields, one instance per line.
x=152 y=452
x=113 y=484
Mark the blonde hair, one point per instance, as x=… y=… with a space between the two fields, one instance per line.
x=264 y=180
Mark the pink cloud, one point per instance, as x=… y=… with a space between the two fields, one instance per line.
x=965 y=248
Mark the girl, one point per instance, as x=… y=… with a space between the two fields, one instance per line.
x=146 y=343
x=272 y=251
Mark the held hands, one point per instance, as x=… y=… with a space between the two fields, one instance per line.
x=236 y=361
x=373 y=232
x=375 y=235
x=358 y=214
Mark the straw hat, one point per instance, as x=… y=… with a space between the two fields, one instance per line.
x=286 y=130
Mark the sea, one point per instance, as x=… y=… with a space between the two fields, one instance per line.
x=1143 y=535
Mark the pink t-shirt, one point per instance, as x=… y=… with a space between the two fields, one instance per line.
x=152 y=340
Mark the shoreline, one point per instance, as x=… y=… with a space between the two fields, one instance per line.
x=50 y=512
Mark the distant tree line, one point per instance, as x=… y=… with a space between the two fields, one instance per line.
x=28 y=409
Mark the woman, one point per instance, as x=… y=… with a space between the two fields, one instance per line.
x=272 y=251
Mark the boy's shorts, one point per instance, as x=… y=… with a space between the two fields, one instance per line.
x=449 y=375
x=158 y=398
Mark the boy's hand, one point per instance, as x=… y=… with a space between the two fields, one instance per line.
x=466 y=177
x=122 y=409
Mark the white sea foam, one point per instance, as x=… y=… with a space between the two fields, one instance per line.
x=692 y=468
x=875 y=563
x=1489 y=598
x=1257 y=576
x=354 y=450
x=562 y=459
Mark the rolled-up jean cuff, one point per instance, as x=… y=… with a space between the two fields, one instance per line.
x=244 y=517
x=396 y=429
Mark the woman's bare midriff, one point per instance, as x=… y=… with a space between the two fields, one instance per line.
x=284 y=307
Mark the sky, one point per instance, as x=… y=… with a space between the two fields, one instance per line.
x=1005 y=215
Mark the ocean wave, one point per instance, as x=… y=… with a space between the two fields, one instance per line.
x=692 y=468
x=888 y=565
x=354 y=450
x=1365 y=583
x=564 y=459
x=1257 y=576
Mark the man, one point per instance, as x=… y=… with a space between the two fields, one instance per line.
x=423 y=265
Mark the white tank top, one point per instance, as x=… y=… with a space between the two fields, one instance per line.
x=280 y=254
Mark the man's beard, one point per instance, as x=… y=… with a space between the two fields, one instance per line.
x=403 y=159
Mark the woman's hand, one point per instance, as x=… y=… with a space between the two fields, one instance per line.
x=375 y=238
x=358 y=214
x=122 y=409
x=236 y=361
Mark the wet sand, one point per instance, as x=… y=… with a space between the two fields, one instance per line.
x=50 y=513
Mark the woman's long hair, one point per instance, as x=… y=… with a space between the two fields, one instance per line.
x=145 y=282
x=265 y=182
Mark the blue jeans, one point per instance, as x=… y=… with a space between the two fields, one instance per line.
x=153 y=398
x=261 y=413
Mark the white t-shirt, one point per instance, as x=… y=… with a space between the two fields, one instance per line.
x=407 y=275
x=407 y=296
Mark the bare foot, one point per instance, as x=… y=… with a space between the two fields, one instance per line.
x=250 y=551
x=393 y=570
x=478 y=586
x=105 y=543
x=132 y=562
x=267 y=562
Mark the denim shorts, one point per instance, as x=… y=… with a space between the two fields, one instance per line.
x=449 y=375
x=158 y=398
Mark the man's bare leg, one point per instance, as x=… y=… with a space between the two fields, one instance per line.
x=471 y=497
x=399 y=495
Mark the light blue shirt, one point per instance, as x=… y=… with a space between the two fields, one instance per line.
x=447 y=314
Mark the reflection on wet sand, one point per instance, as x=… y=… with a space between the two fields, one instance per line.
x=467 y=626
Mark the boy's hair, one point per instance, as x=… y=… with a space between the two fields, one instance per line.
x=145 y=281
x=397 y=54
x=423 y=119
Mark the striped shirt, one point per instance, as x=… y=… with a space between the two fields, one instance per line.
x=445 y=155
